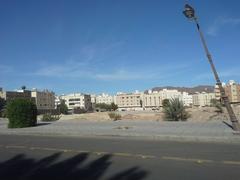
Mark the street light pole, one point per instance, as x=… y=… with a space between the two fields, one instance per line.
x=190 y=13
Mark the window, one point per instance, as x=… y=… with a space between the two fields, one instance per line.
x=76 y=99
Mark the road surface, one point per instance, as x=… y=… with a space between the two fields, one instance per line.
x=46 y=157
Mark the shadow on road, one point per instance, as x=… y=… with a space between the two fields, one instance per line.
x=21 y=167
x=42 y=124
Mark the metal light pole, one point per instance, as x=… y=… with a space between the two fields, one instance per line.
x=190 y=14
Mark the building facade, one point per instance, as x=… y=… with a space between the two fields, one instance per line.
x=44 y=100
x=104 y=98
x=232 y=90
x=10 y=95
x=203 y=99
x=129 y=101
x=187 y=99
x=77 y=100
x=152 y=100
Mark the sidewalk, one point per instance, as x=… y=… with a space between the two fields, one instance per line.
x=212 y=131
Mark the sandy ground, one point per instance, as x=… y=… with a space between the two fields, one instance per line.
x=197 y=114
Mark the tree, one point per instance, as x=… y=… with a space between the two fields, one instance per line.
x=107 y=107
x=23 y=87
x=141 y=103
x=21 y=113
x=175 y=111
x=2 y=107
x=62 y=107
x=165 y=102
x=2 y=103
x=114 y=107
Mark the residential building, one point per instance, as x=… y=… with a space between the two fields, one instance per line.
x=152 y=100
x=217 y=91
x=77 y=100
x=93 y=98
x=232 y=90
x=44 y=100
x=104 y=98
x=202 y=99
x=57 y=101
x=131 y=101
x=186 y=98
x=10 y=95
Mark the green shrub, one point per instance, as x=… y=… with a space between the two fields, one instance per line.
x=106 y=107
x=50 y=117
x=165 y=103
x=2 y=107
x=3 y=113
x=62 y=107
x=21 y=113
x=175 y=111
x=114 y=116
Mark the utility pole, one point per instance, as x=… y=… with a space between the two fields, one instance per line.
x=189 y=12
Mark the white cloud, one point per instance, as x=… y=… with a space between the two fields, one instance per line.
x=220 y=22
x=85 y=71
x=124 y=75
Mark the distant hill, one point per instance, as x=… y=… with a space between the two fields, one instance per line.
x=190 y=90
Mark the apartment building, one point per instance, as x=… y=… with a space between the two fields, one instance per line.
x=104 y=98
x=57 y=101
x=129 y=101
x=10 y=95
x=232 y=90
x=93 y=98
x=186 y=98
x=77 y=100
x=203 y=99
x=217 y=91
x=44 y=100
x=152 y=99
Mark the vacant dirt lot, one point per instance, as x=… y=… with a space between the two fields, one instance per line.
x=197 y=114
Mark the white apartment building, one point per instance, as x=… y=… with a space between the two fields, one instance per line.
x=57 y=101
x=170 y=94
x=45 y=100
x=104 y=98
x=132 y=101
x=203 y=99
x=187 y=99
x=152 y=100
x=93 y=98
x=77 y=100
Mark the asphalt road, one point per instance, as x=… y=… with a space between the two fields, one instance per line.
x=43 y=157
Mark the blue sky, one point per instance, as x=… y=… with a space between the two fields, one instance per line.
x=96 y=46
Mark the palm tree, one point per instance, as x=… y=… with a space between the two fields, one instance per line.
x=175 y=111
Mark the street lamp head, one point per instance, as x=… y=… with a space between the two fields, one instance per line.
x=189 y=12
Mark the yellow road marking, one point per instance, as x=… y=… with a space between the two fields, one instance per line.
x=13 y=146
x=231 y=162
x=187 y=159
x=174 y=158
